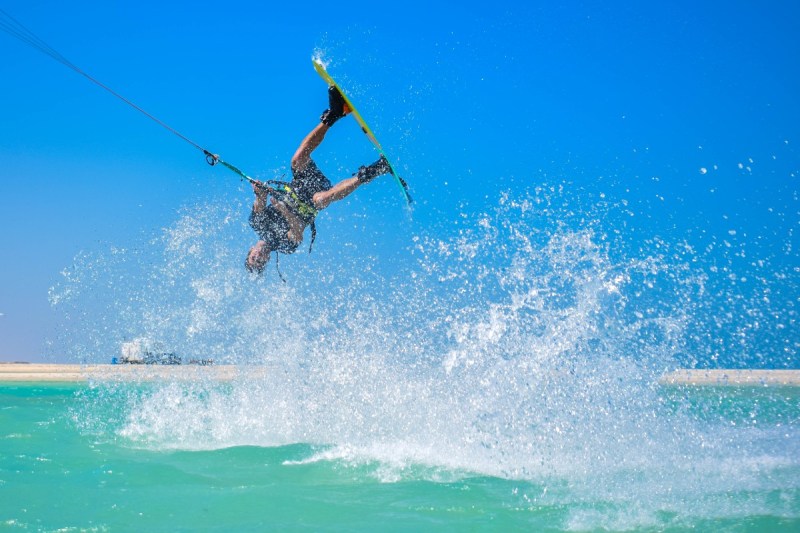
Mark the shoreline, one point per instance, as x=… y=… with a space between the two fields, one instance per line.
x=732 y=377
x=72 y=373
x=65 y=373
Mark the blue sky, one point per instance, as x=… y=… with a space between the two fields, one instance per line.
x=629 y=100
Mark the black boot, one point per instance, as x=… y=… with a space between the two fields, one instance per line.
x=335 y=109
x=369 y=173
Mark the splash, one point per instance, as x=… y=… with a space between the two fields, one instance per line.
x=527 y=345
x=319 y=56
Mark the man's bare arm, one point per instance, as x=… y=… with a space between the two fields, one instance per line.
x=296 y=226
x=261 y=198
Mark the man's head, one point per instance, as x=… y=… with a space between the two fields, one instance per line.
x=257 y=257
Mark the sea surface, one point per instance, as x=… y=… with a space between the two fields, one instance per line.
x=501 y=374
x=99 y=457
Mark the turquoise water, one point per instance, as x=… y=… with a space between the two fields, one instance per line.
x=504 y=378
x=500 y=378
x=103 y=457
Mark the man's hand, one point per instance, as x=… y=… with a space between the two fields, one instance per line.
x=260 y=189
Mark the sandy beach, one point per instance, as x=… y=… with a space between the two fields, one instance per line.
x=723 y=377
x=45 y=372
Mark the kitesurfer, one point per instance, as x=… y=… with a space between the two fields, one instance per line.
x=281 y=214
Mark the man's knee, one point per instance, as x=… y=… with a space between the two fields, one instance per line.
x=321 y=200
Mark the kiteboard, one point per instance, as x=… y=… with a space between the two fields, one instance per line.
x=320 y=68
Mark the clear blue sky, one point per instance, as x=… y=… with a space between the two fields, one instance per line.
x=470 y=100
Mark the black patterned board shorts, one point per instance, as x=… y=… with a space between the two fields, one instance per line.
x=309 y=182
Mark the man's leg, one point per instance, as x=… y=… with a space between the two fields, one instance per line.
x=337 y=192
x=303 y=154
x=337 y=108
x=342 y=189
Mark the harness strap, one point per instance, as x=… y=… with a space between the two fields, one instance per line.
x=302 y=208
x=277 y=268
x=306 y=211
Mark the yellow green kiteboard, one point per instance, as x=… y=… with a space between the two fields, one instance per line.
x=320 y=68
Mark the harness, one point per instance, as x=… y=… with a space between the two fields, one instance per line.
x=306 y=212
x=276 y=224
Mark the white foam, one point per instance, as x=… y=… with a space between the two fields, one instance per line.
x=522 y=348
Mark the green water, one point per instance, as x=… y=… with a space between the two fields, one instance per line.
x=56 y=474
